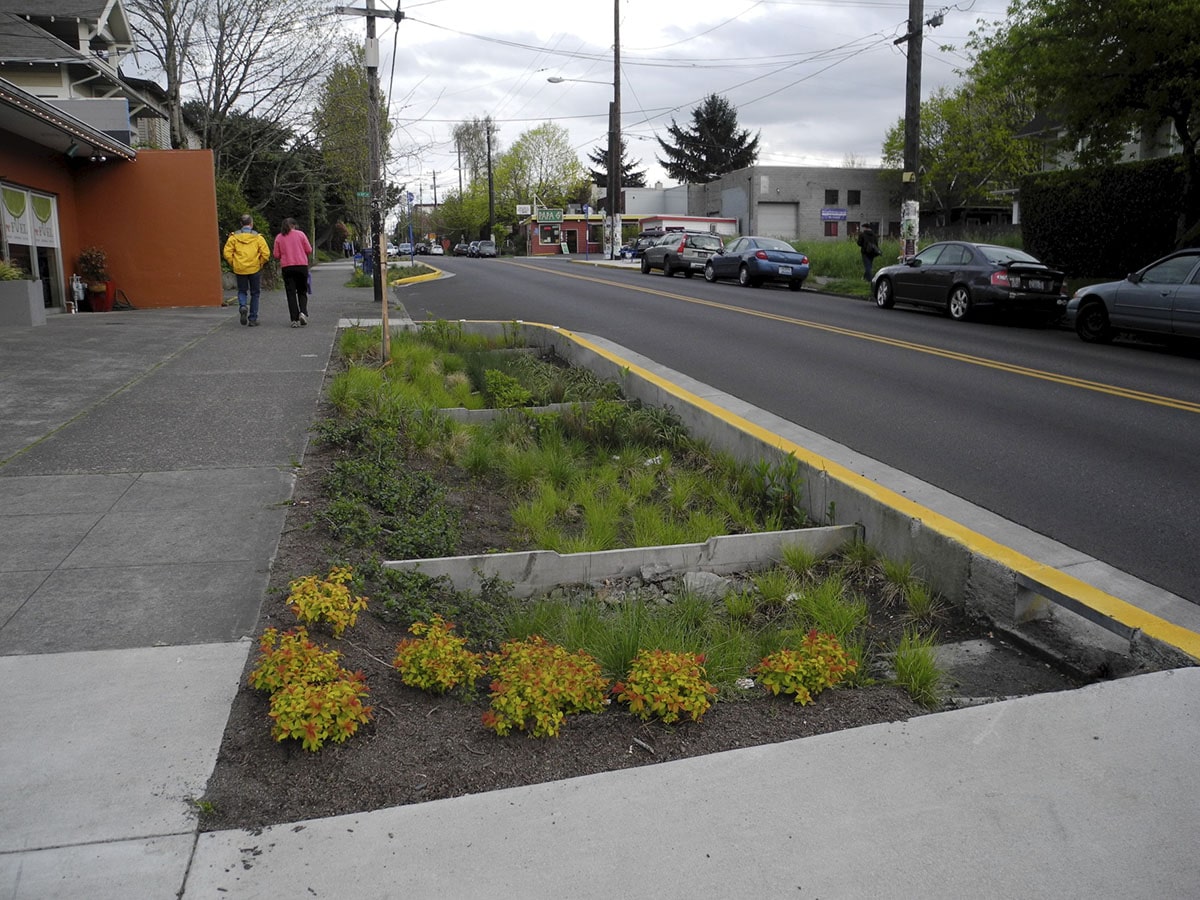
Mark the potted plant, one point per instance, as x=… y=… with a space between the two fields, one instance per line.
x=93 y=268
x=20 y=297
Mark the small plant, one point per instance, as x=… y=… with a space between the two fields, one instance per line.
x=290 y=657
x=779 y=487
x=312 y=697
x=916 y=669
x=538 y=684
x=820 y=663
x=320 y=711
x=328 y=600
x=436 y=659
x=666 y=684
x=898 y=577
x=11 y=272
x=93 y=265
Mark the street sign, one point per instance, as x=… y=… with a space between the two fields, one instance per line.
x=362 y=193
x=524 y=209
x=549 y=216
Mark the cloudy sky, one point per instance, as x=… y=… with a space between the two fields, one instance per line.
x=821 y=80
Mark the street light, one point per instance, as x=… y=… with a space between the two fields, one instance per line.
x=613 y=159
x=614 y=133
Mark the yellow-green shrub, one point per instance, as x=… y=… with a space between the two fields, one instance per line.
x=436 y=659
x=820 y=663
x=666 y=684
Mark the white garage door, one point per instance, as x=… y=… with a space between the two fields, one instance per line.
x=776 y=220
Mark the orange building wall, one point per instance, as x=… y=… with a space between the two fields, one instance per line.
x=156 y=217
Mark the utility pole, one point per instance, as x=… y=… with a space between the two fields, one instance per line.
x=375 y=150
x=910 y=211
x=615 y=205
x=491 y=189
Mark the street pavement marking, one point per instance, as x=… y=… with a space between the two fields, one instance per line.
x=1040 y=374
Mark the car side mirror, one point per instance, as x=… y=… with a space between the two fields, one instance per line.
x=914 y=263
x=1134 y=278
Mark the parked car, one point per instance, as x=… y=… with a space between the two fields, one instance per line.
x=756 y=260
x=473 y=248
x=635 y=248
x=405 y=249
x=421 y=249
x=962 y=278
x=436 y=249
x=486 y=248
x=681 y=251
x=461 y=248
x=392 y=250
x=1162 y=298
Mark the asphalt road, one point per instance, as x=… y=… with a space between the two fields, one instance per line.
x=1094 y=446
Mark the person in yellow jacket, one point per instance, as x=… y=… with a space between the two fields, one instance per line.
x=246 y=251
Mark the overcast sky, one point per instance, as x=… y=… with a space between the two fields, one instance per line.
x=821 y=80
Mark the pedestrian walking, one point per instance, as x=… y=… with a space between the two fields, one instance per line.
x=869 y=248
x=246 y=252
x=293 y=250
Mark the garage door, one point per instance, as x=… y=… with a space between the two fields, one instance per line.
x=776 y=220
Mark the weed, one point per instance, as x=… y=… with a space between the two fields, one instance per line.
x=916 y=668
x=800 y=559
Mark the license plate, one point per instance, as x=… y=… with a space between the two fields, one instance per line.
x=785 y=270
x=1036 y=284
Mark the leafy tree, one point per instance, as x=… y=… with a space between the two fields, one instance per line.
x=1105 y=70
x=540 y=162
x=968 y=144
x=340 y=126
x=470 y=139
x=711 y=146
x=630 y=175
x=464 y=215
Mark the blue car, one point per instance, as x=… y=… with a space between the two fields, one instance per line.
x=756 y=260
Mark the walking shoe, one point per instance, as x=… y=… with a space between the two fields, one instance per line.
x=295 y=324
x=303 y=318
x=243 y=313
x=253 y=321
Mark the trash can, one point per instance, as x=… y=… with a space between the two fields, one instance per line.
x=368 y=263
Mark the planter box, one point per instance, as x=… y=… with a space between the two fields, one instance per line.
x=21 y=303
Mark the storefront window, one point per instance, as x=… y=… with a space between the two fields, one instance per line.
x=549 y=234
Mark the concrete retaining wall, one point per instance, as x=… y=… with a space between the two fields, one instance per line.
x=1021 y=582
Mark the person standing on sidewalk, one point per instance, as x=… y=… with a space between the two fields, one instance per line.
x=246 y=251
x=869 y=248
x=292 y=249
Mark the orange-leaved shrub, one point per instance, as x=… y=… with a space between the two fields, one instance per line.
x=667 y=684
x=538 y=684
x=820 y=663
x=327 y=599
x=436 y=659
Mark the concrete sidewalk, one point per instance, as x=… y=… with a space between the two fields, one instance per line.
x=146 y=458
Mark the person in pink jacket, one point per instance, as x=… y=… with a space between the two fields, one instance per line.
x=292 y=249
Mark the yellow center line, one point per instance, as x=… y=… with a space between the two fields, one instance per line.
x=1040 y=374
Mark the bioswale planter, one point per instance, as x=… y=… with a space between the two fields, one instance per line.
x=1050 y=596
x=21 y=303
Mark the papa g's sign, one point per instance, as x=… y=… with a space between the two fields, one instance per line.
x=549 y=216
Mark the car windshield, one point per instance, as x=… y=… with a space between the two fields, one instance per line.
x=706 y=242
x=1003 y=255
x=488 y=244
x=774 y=244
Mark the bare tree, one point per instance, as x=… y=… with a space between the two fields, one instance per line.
x=165 y=30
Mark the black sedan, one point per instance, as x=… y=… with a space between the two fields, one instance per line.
x=756 y=260
x=1163 y=298
x=961 y=278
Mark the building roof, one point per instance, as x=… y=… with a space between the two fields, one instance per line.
x=40 y=121
x=22 y=41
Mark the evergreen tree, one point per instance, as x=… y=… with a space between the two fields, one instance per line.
x=630 y=175
x=711 y=146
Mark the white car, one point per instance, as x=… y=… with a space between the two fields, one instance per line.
x=436 y=250
x=392 y=250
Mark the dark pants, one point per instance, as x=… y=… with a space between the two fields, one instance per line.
x=868 y=266
x=295 y=282
x=250 y=286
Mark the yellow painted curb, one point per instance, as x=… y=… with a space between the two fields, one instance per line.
x=1085 y=594
x=417 y=279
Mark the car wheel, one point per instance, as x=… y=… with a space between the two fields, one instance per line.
x=883 y=294
x=1091 y=323
x=645 y=266
x=744 y=277
x=958 y=307
x=797 y=284
x=709 y=275
x=667 y=270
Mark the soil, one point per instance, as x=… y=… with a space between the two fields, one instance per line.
x=421 y=747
